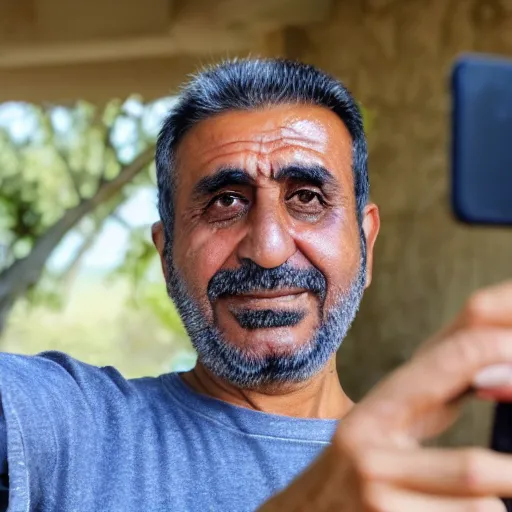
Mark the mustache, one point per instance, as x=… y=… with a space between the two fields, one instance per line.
x=250 y=277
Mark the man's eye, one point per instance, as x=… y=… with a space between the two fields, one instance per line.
x=306 y=196
x=307 y=204
x=225 y=207
x=227 y=200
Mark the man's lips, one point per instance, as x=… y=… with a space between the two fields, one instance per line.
x=267 y=298
x=290 y=293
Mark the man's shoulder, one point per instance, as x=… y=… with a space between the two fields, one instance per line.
x=57 y=372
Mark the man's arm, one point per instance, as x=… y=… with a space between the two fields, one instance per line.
x=47 y=418
x=57 y=411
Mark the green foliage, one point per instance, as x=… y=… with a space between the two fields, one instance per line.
x=96 y=327
x=53 y=157
x=155 y=298
x=139 y=259
x=141 y=267
x=47 y=293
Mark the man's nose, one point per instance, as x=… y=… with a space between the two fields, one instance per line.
x=268 y=241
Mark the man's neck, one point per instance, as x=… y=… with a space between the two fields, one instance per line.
x=320 y=397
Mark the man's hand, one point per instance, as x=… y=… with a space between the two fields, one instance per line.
x=376 y=461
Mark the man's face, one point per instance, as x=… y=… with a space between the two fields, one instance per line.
x=266 y=239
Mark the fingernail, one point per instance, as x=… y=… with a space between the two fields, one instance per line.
x=495 y=376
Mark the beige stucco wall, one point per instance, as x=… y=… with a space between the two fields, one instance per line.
x=396 y=56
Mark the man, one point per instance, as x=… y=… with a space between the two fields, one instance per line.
x=266 y=240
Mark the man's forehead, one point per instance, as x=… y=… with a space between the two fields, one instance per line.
x=291 y=131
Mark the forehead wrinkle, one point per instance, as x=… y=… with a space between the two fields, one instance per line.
x=282 y=133
x=257 y=153
x=266 y=147
x=297 y=128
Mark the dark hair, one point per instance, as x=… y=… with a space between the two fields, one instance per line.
x=250 y=84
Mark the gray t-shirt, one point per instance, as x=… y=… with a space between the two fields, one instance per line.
x=82 y=438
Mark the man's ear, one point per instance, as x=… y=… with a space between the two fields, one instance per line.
x=371 y=226
x=158 y=236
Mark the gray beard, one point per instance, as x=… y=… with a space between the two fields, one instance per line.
x=246 y=371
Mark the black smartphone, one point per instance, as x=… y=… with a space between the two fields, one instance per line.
x=501 y=436
x=482 y=167
x=482 y=140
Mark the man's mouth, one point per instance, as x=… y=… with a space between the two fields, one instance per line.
x=271 y=308
x=267 y=299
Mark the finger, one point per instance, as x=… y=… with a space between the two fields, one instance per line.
x=436 y=378
x=491 y=306
x=463 y=472
x=383 y=497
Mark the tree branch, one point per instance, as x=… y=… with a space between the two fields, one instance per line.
x=69 y=274
x=16 y=279
x=4 y=255
x=73 y=177
x=107 y=145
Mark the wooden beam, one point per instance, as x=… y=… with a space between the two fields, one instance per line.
x=75 y=20
x=261 y=14
x=82 y=52
x=196 y=27
x=98 y=82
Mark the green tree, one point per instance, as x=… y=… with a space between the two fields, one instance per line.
x=141 y=266
x=62 y=169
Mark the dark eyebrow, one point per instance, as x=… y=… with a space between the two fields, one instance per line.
x=220 y=179
x=315 y=174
